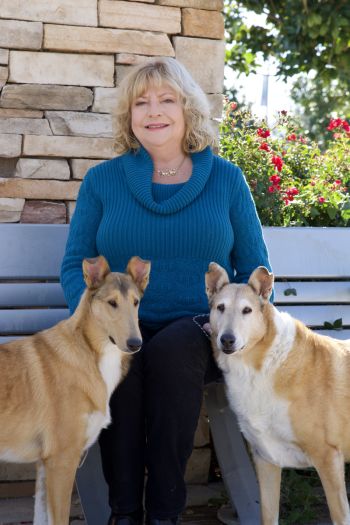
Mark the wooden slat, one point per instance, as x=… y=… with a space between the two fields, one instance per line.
x=8 y=338
x=336 y=334
x=30 y=321
x=32 y=250
x=309 y=252
x=31 y=294
x=317 y=315
x=313 y=292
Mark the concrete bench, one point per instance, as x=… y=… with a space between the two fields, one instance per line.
x=312 y=267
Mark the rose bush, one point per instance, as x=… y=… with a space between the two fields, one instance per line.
x=293 y=183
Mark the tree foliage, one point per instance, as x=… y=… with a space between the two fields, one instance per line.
x=316 y=102
x=304 y=35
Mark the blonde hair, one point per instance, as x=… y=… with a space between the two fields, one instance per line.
x=199 y=132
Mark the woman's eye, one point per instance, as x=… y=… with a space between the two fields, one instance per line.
x=247 y=310
x=136 y=302
x=140 y=102
x=221 y=307
x=113 y=303
x=168 y=100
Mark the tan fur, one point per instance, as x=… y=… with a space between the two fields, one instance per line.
x=51 y=382
x=289 y=386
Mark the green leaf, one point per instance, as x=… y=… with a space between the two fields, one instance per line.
x=290 y=291
x=337 y=325
x=328 y=325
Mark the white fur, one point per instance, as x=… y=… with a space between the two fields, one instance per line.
x=110 y=368
x=27 y=454
x=263 y=417
x=41 y=514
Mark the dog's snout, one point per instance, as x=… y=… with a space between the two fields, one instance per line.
x=134 y=344
x=227 y=340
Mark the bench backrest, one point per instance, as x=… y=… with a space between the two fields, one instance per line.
x=312 y=270
x=311 y=266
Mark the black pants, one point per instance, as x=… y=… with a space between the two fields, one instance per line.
x=155 y=412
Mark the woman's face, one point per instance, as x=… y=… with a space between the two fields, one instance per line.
x=157 y=119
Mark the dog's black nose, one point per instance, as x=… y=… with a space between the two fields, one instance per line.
x=134 y=344
x=227 y=340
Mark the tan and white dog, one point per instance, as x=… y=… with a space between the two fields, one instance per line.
x=289 y=387
x=55 y=386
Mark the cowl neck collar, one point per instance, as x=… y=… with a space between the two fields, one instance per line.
x=138 y=168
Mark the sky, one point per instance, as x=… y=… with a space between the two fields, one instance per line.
x=252 y=86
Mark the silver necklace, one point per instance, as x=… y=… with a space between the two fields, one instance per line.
x=170 y=172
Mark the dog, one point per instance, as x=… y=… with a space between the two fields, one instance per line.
x=289 y=387
x=55 y=386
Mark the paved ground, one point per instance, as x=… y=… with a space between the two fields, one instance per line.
x=203 y=506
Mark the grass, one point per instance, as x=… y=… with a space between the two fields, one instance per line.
x=301 y=497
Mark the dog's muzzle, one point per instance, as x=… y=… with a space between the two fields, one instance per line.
x=227 y=341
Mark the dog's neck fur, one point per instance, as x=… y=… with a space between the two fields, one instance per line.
x=90 y=344
x=84 y=327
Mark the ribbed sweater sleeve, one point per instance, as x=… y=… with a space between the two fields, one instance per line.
x=249 y=250
x=81 y=242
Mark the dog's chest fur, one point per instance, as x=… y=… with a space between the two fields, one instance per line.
x=263 y=416
x=110 y=368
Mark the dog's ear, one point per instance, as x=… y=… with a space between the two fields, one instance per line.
x=139 y=271
x=215 y=278
x=261 y=280
x=95 y=271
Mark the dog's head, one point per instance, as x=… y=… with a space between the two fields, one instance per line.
x=114 y=300
x=236 y=310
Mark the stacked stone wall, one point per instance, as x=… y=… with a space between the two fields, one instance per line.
x=60 y=66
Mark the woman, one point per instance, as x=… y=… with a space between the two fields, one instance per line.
x=168 y=199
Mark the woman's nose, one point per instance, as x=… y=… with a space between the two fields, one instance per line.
x=154 y=108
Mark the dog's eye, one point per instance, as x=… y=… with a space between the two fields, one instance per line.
x=113 y=303
x=246 y=310
x=136 y=302
x=221 y=307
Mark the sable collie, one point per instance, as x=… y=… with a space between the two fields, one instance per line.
x=289 y=387
x=55 y=386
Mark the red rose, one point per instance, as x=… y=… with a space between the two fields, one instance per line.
x=264 y=133
x=277 y=162
x=321 y=200
x=275 y=179
x=335 y=123
x=264 y=146
x=292 y=137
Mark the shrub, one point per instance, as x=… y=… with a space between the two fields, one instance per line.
x=293 y=183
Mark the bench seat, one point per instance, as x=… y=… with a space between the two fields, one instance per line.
x=312 y=271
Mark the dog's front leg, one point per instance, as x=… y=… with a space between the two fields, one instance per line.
x=330 y=468
x=269 y=477
x=60 y=474
x=40 y=507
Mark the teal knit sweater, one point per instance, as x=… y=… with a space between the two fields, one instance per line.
x=180 y=228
